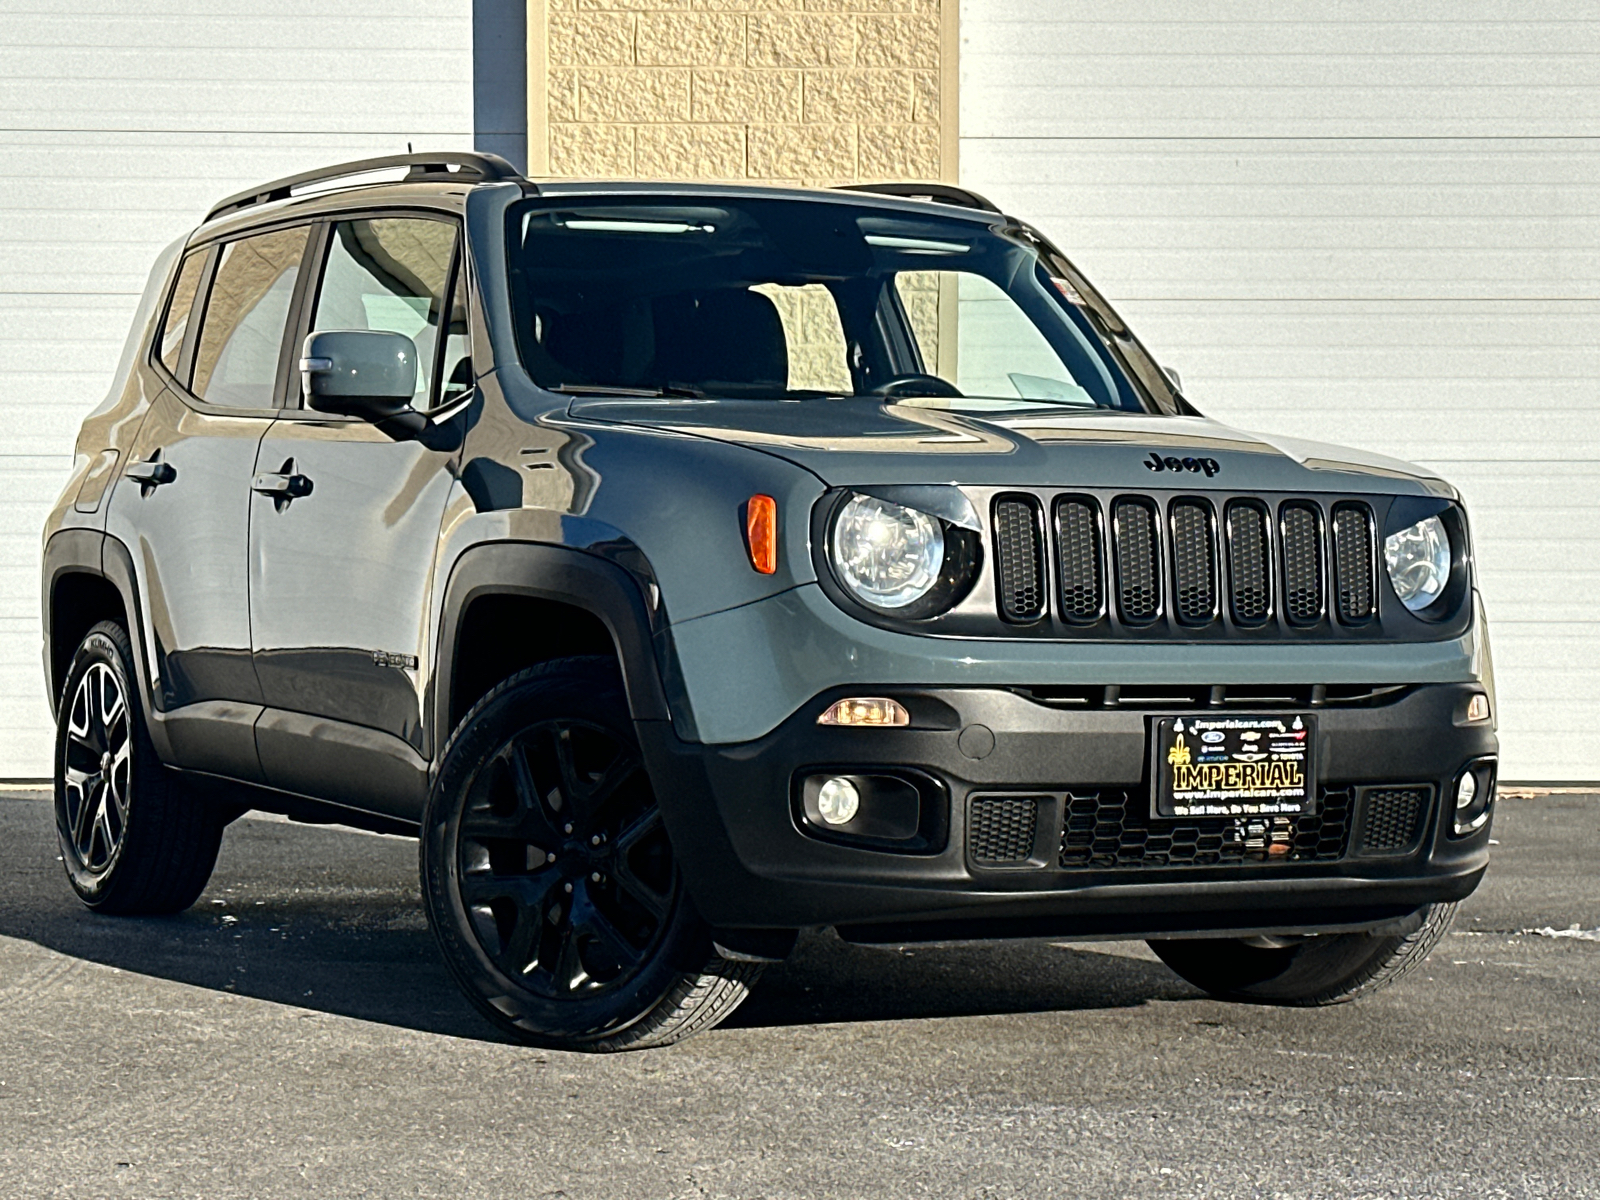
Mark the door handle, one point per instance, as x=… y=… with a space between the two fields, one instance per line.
x=282 y=485
x=151 y=474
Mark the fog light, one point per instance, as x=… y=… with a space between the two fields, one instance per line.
x=1478 y=708
x=1474 y=797
x=865 y=710
x=838 y=801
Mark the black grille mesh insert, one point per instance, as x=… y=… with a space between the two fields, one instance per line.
x=1001 y=828
x=1109 y=829
x=1394 y=818
x=1352 y=561
x=1019 y=559
x=1249 y=569
x=1302 y=564
x=1194 y=582
x=1078 y=550
x=1138 y=562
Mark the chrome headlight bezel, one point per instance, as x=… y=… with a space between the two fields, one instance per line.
x=939 y=587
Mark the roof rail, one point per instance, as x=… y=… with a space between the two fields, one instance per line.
x=939 y=193
x=483 y=168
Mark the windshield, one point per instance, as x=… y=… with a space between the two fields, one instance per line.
x=799 y=299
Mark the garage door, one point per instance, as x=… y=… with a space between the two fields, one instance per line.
x=119 y=124
x=1341 y=224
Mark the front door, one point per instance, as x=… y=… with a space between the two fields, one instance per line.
x=344 y=526
x=182 y=505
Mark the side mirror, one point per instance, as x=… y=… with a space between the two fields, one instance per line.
x=1172 y=374
x=363 y=373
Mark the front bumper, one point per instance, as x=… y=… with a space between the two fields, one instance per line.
x=753 y=861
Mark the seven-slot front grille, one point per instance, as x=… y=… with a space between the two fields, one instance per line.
x=1249 y=563
x=1352 y=559
x=1185 y=563
x=1194 y=583
x=1138 y=561
x=1078 y=559
x=1019 y=558
x=1302 y=564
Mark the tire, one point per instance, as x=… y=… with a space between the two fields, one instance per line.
x=548 y=878
x=1328 y=969
x=133 y=838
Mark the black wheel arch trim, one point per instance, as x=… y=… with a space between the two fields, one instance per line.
x=557 y=573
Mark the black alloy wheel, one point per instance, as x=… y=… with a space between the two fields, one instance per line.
x=549 y=878
x=134 y=838
x=564 y=862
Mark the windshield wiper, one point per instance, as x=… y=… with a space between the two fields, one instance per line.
x=597 y=389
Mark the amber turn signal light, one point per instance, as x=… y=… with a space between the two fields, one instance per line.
x=761 y=533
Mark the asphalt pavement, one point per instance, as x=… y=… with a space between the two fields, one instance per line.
x=294 y=1034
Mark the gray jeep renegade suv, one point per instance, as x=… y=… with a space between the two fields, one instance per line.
x=688 y=566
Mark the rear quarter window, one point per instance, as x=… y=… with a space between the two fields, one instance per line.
x=169 y=347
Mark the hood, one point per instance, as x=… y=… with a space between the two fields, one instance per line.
x=865 y=442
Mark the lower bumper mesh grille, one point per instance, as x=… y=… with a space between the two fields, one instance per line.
x=1394 y=818
x=1001 y=829
x=1109 y=829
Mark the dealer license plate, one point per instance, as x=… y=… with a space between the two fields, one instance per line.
x=1219 y=765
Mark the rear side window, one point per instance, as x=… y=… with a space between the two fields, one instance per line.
x=181 y=308
x=390 y=274
x=241 y=338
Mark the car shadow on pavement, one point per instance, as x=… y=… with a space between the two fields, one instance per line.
x=331 y=920
x=828 y=980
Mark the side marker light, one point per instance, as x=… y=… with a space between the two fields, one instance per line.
x=761 y=533
x=865 y=711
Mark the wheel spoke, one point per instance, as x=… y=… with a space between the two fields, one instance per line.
x=527 y=892
x=119 y=777
x=80 y=720
x=623 y=768
x=112 y=711
x=519 y=956
x=83 y=822
x=572 y=790
x=589 y=922
x=102 y=825
x=529 y=823
x=97 y=703
x=567 y=970
x=652 y=901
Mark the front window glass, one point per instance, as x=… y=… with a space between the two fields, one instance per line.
x=389 y=275
x=241 y=339
x=795 y=299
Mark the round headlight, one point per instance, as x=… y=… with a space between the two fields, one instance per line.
x=887 y=555
x=1418 y=559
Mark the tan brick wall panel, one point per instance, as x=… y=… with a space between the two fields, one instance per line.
x=813 y=91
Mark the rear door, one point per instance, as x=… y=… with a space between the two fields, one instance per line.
x=344 y=526
x=182 y=505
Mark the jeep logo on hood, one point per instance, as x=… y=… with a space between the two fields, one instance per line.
x=1156 y=463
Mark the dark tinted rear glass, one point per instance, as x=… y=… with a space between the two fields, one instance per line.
x=170 y=348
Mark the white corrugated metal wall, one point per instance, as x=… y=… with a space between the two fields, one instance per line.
x=1357 y=222
x=119 y=124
